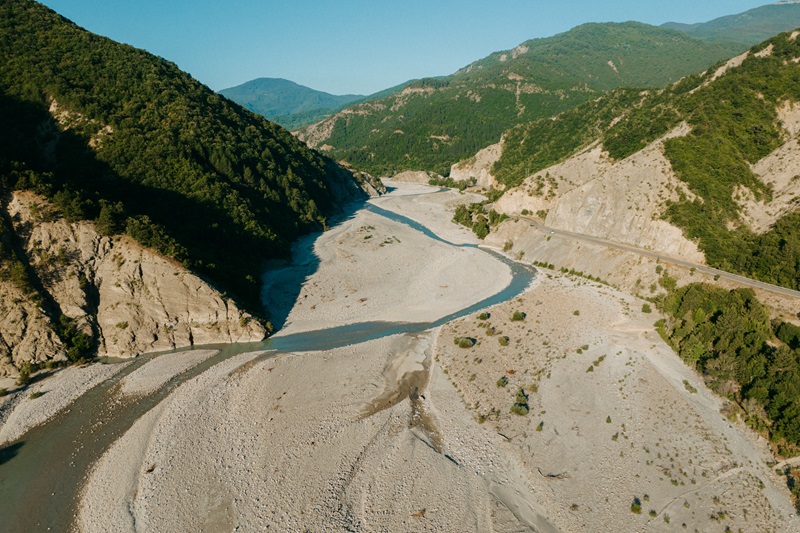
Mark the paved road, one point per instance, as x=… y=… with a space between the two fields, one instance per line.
x=665 y=258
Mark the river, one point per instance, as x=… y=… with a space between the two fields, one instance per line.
x=41 y=474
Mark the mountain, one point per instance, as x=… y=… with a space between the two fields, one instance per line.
x=111 y=136
x=434 y=122
x=750 y=27
x=705 y=168
x=289 y=104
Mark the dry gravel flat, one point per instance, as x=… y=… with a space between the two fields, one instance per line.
x=153 y=375
x=294 y=443
x=614 y=414
x=374 y=269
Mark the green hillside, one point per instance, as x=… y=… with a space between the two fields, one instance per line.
x=751 y=27
x=734 y=124
x=115 y=134
x=289 y=104
x=434 y=123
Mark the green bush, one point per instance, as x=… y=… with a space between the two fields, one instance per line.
x=518 y=316
x=646 y=308
x=520 y=406
x=503 y=381
x=464 y=342
x=503 y=340
x=636 y=506
x=35 y=395
x=25 y=371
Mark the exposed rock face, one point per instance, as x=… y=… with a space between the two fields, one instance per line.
x=132 y=299
x=780 y=170
x=26 y=332
x=479 y=167
x=616 y=200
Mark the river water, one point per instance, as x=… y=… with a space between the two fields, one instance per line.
x=41 y=473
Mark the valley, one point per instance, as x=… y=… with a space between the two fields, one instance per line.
x=555 y=290
x=409 y=430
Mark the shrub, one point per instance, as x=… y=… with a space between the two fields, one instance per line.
x=519 y=409
x=503 y=381
x=520 y=406
x=35 y=395
x=25 y=371
x=517 y=316
x=636 y=506
x=3 y=392
x=465 y=342
x=646 y=308
x=503 y=340
x=484 y=316
x=576 y=312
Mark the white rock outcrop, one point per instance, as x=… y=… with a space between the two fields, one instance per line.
x=620 y=201
x=479 y=167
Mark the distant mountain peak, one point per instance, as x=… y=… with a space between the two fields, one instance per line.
x=286 y=102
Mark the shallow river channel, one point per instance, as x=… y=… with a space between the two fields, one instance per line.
x=41 y=473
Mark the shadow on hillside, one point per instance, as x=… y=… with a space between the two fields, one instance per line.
x=284 y=279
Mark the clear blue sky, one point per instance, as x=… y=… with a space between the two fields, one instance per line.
x=353 y=46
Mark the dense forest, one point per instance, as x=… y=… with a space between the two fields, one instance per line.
x=116 y=135
x=728 y=337
x=734 y=124
x=436 y=122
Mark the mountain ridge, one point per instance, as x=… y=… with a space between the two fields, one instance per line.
x=750 y=27
x=286 y=102
x=434 y=122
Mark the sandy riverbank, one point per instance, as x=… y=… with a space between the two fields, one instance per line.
x=374 y=269
x=153 y=375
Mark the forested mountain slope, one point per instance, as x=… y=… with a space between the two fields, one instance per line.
x=107 y=133
x=433 y=123
x=714 y=155
x=751 y=27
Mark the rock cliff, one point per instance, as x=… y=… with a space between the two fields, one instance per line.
x=128 y=298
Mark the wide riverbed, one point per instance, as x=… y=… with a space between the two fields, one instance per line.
x=391 y=272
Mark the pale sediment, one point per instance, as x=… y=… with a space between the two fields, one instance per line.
x=57 y=392
x=151 y=376
x=375 y=269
